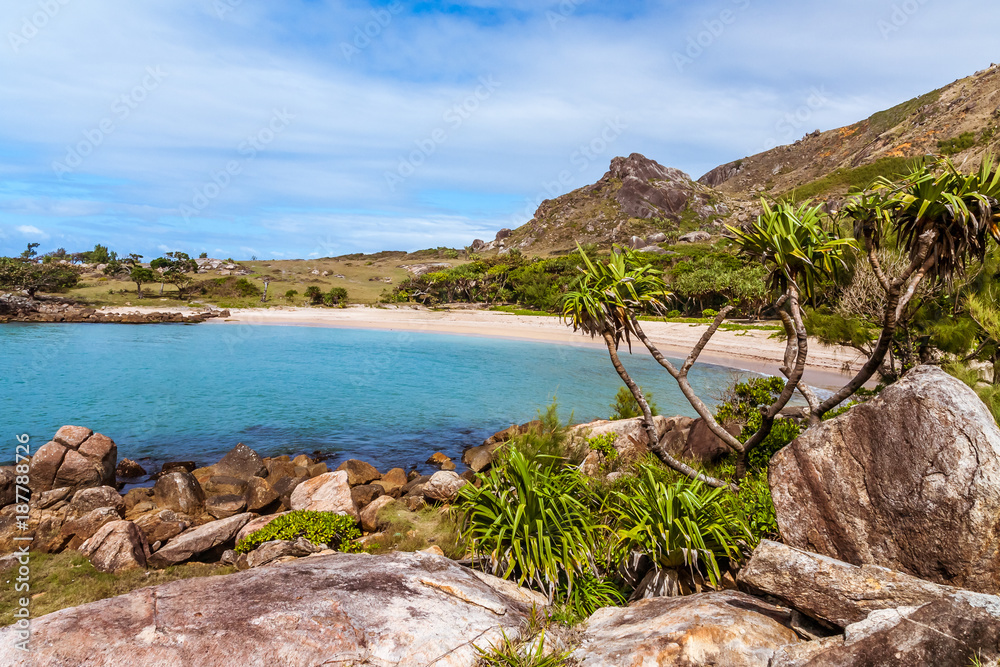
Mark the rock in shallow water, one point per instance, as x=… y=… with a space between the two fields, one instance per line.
x=402 y=609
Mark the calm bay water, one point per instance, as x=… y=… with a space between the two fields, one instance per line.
x=177 y=392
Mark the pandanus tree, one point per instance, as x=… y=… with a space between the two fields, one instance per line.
x=799 y=253
x=940 y=219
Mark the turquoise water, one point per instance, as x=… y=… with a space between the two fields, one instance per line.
x=181 y=392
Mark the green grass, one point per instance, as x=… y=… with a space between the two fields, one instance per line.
x=962 y=142
x=59 y=581
x=890 y=118
x=846 y=179
x=514 y=310
x=726 y=326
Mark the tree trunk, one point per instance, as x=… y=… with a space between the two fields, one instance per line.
x=138 y=290
x=650 y=426
x=263 y=297
x=161 y=289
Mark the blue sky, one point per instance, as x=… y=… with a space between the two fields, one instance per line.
x=313 y=128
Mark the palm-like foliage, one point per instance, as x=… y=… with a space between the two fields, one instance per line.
x=606 y=294
x=794 y=245
x=956 y=211
x=531 y=520
x=683 y=524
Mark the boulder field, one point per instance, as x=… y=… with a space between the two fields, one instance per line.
x=889 y=555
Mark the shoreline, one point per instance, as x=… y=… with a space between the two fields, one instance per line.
x=752 y=350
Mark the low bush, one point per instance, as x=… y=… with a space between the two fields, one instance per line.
x=335 y=530
x=678 y=525
x=626 y=407
x=532 y=520
x=743 y=407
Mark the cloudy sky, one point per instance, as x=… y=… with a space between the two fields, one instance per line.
x=319 y=127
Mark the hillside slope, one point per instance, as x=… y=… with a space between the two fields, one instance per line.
x=639 y=197
x=960 y=120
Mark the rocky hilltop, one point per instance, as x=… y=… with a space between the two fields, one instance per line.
x=636 y=197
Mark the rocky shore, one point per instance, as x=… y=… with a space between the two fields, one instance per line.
x=22 y=309
x=890 y=555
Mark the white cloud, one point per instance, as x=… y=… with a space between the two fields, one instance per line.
x=354 y=121
x=32 y=232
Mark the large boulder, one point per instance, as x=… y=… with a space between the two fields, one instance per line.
x=402 y=609
x=202 y=541
x=909 y=480
x=949 y=632
x=180 y=492
x=725 y=628
x=831 y=590
x=76 y=457
x=444 y=486
x=359 y=472
x=329 y=492
x=8 y=486
x=631 y=441
x=117 y=546
x=259 y=494
x=242 y=462
x=703 y=446
x=369 y=515
x=271 y=551
x=91 y=498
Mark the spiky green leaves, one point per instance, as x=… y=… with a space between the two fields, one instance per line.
x=793 y=243
x=608 y=293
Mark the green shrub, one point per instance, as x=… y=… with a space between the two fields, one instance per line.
x=510 y=653
x=743 y=407
x=674 y=313
x=605 y=445
x=314 y=294
x=336 y=530
x=589 y=593
x=246 y=288
x=626 y=407
x=709 y=313
x=291 y=294
x=957 y=144
x=684 y=524
x=532 y=520
x=335 y=296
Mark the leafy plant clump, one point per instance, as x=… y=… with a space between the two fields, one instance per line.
x=626 y=407
x=743 y=407
x=604 y=445
x=336 y=530
x=532 y=520
x=680 y=525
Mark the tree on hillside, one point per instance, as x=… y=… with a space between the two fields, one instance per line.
x=131 y=267
x=173 y=268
